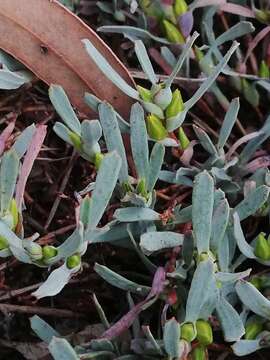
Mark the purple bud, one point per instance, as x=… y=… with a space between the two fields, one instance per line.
x=185 y=22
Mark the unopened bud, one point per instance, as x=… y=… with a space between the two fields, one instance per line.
x=141 y=187
x=98 y=159
x=3 y=243
x=188 y=332
x=73 y=261
x=264 y=71
x=162 y=95
x=48 y=252
x=172 y=33
x=204 y=332
x=176 y=106
x=155 y=128
x=14 y=212
x=198 y=53
x=183 y=139
x=76 y=140
x=253 y=329
x=34 y=250
x=262 y=248
x=144 y=93
x=180 y=7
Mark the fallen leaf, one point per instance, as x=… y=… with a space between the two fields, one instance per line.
x=46 y=37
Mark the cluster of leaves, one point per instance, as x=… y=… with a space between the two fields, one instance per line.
x=205 y=288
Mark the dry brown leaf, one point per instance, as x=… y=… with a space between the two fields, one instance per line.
x=46 y=38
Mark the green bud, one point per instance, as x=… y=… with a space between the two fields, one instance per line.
x=162 y=95
x=98 y=157
x=155 y=127
x=264 y=71
x=198 y=53
x=176 y=106
x=48 y=252
x=73 y=261
x=183 y=139
x=262 y=16
x=76 y=140
x=172 y=33
x=144 y=93
x=180 y=7
x=3 y=243
x=262 y=247
x=204 y=332
x=198 y=353
x=14 y=212
x=34 y=250
x=188 y=332
x=141 y=187
x=256 y=281
x=151 y=8
x=252 y=330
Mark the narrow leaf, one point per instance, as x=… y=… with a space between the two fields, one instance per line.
x=155 y=241
x=228 y=123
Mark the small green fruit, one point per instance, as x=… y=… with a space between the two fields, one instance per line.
x=14 y=212
x=252 y=330
x=155 y=128
x=183 y=139
x=144 y=93
x=172 y=33
x=73 y=261
x=34 y=250
x=262 y=248
x=188 y=332
x=3 y=243
x=176 y=106
x=76 y=140
x=48 y=252
x=204 y=332
x=180 y=7
x=264 y=71
x=98 y=157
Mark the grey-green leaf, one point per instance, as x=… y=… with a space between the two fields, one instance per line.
x=139 y=141
x=171 y=338
x=134 y=214
x=228 y=123
x=119 y=281
x=155 y=241
x=64 y=109
x=43 y=330
x=155 y=163
x=62 y=350
x=202 y=209
x=253 y=299
x=113 y=137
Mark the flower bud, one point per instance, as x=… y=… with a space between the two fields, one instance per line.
x=176 y=106
x=73 y=261
x=3 y=243
x=76 y=140
x=155 y=128
x=262 y=247
x=34 y=250
x=162 y=95
x=253 y=329
x=198 y=53
x=204 y=332
x=198 y=353
x=98 y=157
x=188 y=332
x=180 y=7
x=183 y=139
x=14 y=212
x=141 y=187
x=144 y=93
x=262 y=16
x=48 y=252
x=264 y=71
x=172 y=33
